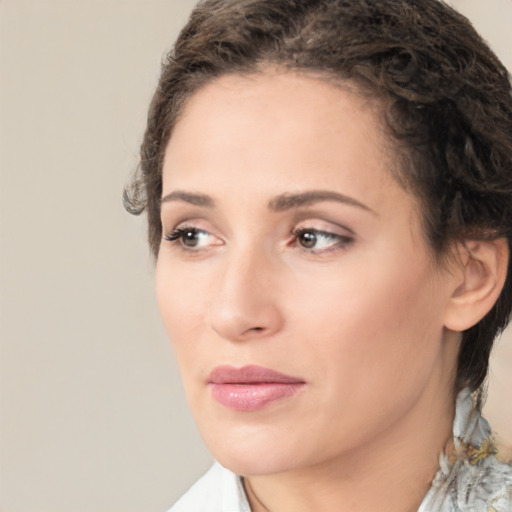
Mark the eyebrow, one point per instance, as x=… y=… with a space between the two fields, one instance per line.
x=189 y=197
x=279 y=203
x=289 y=201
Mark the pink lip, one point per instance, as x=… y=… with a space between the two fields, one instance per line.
x=251 y=387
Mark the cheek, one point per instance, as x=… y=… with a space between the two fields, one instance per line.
x=181 y=302
x=376 y=317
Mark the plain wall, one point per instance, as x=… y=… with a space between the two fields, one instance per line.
x=92 y=416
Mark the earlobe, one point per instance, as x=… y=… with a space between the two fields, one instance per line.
x=481 y=270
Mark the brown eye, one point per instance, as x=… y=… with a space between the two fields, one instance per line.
x=307 y=239
x=190 y=237
x=193 y=238
x=317 y=241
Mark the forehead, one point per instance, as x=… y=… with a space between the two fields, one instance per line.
x=310 y=96
x=268 y=111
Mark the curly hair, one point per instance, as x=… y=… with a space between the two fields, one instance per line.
x=446 y=101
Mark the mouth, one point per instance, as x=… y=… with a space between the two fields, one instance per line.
x=251 y=387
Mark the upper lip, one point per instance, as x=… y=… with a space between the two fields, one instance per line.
x=251 y=374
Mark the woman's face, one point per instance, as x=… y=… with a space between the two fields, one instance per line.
x=304 y=307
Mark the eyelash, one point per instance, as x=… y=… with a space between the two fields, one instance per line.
x=178 y=234
x=176 y=237
x=340 y=241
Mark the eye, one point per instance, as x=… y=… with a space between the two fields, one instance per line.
x=317 y=241
x=192 y=237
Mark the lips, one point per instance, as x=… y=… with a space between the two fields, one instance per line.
x=251 y=387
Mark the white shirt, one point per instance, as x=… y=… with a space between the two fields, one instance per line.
x=474 y=481
x=218 y=490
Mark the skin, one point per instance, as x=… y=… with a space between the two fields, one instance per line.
x=361 y=317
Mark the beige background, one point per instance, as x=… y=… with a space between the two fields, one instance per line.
x=91 y=413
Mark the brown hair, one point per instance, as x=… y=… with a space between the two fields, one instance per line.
x=446 y=98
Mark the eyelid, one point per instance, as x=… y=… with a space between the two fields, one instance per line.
x=323 y=233
x=176 y=220
x=328 y=237
x=174 y=235
x=173 y=223
x=325 y=226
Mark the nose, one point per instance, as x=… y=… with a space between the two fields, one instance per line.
x=245 y=302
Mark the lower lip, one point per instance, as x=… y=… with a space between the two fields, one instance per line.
x=251 y=397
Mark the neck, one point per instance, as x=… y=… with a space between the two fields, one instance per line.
x=392 y=472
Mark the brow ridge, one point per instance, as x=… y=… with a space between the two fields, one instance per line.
x=280 y=203
x=288 y=201
x=189 y=197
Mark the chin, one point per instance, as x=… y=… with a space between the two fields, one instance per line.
x=262 y=463
x=253 y=451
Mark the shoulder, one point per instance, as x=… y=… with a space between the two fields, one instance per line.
x=218 y=490
x=471 y=478
x=465 y=485
x=482 y=477
x=486 y=485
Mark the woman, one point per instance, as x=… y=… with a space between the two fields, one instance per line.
x=329 y=193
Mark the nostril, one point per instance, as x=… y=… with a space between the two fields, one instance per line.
x=255 y=329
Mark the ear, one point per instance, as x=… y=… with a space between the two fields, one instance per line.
x=480 y=271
